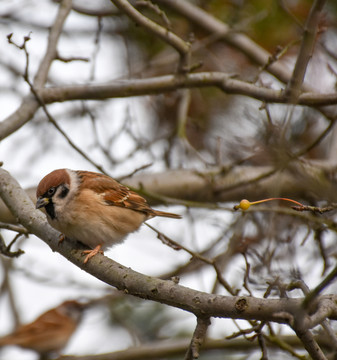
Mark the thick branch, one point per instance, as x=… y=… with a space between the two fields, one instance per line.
x=162 y=84
x=20 y=117
x=156 y=85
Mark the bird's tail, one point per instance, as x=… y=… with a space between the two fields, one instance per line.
x=166 y=214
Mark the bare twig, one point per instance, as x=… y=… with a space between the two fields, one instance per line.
x=198 y=338
x=310 y=344
x=246 y=277
x=175 y=348
x=306 y=50
x=6 y=249
x=70 y=59
x=164 y=34
x=262 y=344
x=182 y=113
x=321 y=314
x=96 y=48
x=16 y=228
x=212 y=262
x=49 y=116
x=215 y=26
x=314 y=209
x=29 y=106
x=320 y=287
x=316 y=142
x=51 y=51
x=7 y=288
x=240 y=41
x=140 y=168
x=156 y=10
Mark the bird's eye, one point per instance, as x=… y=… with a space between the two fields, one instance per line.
x=51 y=191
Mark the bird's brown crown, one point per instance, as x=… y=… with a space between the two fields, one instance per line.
x=55 y=178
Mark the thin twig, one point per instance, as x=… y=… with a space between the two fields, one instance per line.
x=6 y=249
x=17 y=228
x=310 y=344
x=28 y=107
x=320 y=287
x=306 y=50
x=164 y=34
x=325 y=323
x=49 y=116
x=156 y=9
x=198 y=338
x=51 y=51
x=212 y=262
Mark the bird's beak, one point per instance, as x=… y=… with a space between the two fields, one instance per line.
x=42 y=202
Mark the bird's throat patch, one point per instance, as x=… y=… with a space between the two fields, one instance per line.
x=50 y=209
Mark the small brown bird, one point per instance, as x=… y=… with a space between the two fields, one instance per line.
x=50 y=332
x=92 y=208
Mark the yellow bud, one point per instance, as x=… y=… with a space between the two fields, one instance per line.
x=244 y=204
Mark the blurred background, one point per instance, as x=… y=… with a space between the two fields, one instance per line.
x=263 y=149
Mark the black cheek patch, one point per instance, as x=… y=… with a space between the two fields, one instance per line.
x=50 y=210
x=64 y=192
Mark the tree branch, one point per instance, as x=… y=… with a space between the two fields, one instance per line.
x=54 y=36
x=155 y=85
x=166 y=35
x=198 y=338
x=29 y=105
x=177 y=347
x=306 y=50
x=310 y=344
x=240 y=41
x=166 y=83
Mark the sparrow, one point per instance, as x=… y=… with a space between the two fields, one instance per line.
x=50 y=332
x=92 y=208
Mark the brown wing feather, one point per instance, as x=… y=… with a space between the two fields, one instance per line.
x=101 y=183
x=116 y=194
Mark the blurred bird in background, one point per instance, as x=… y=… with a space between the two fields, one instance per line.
x=50 y=332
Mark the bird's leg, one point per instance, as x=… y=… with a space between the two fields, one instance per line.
x=93 y=252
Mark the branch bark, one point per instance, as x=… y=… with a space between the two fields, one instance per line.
x=198 y=338
x=240 y=41
x=167 y=83
x=306 y=50
x=166 y=35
